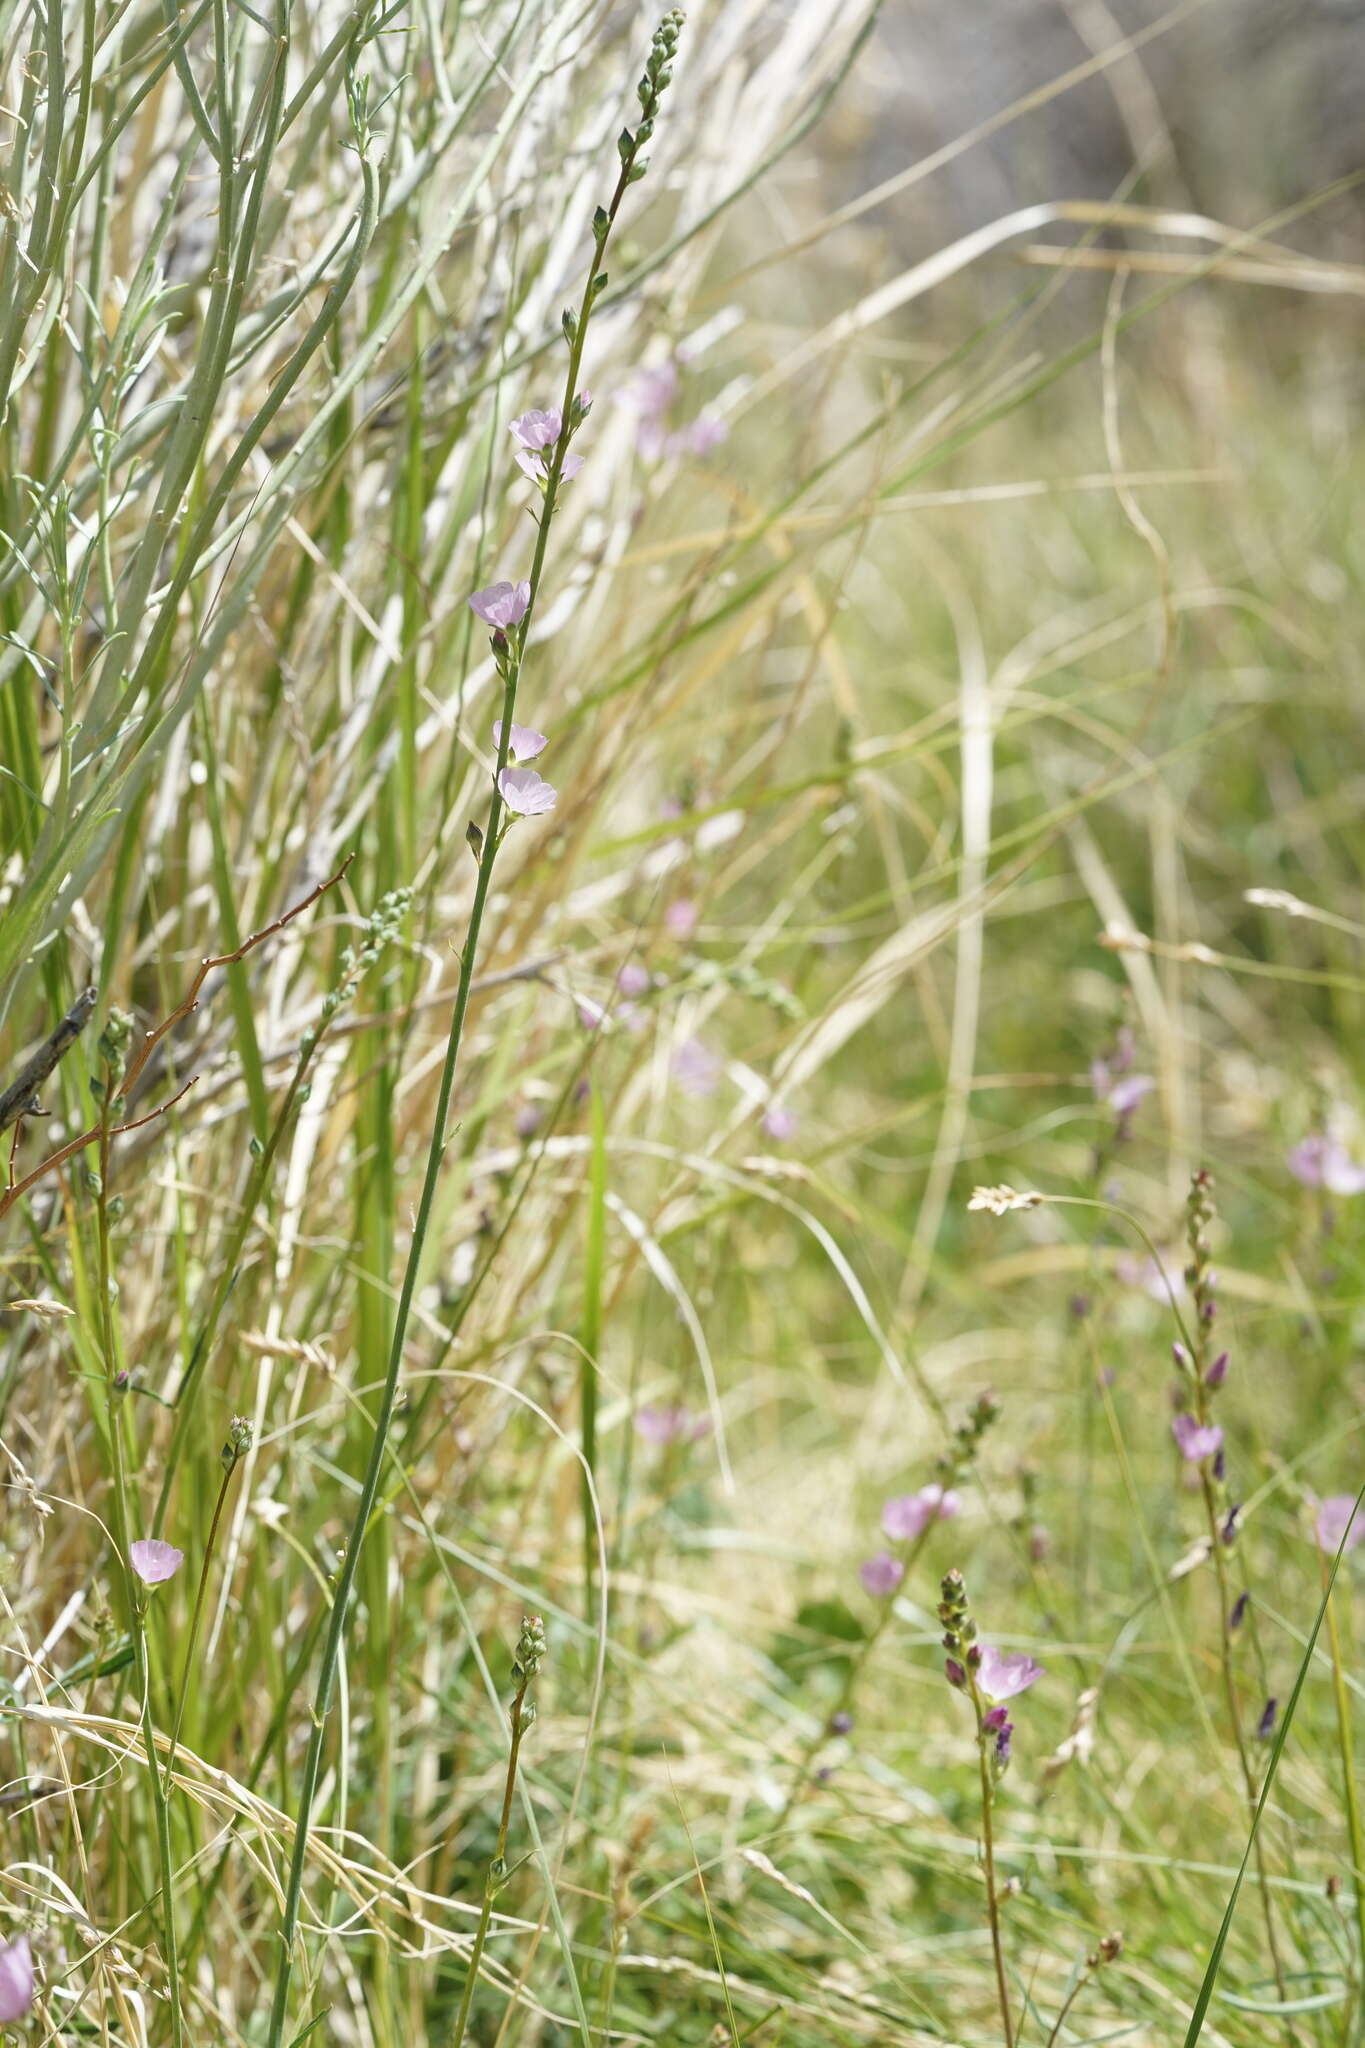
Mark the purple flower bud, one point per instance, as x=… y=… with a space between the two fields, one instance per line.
x=1230 y=1525
x=1220 y=1465
x=1239 y=1611
x=954 y=1673
x=995 y=1719
x=1218 y=1371
x=1181 y=1357
x=840 y=1723
x=1265 y=1727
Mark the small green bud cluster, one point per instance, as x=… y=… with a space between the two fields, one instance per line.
x=382 y=925
x=658 y=76
x=959 y=1630
x=966 y=1439
x=237 y=1443
x=114 y=1041
x=746 y=980
x=531 y=1647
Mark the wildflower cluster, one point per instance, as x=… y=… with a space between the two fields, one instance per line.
x=987 y=1675
x=1202 y=1371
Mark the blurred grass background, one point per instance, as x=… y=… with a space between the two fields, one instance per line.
x=916 y=738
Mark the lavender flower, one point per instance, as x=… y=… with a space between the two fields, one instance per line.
x=525 y=792
x=1339 y=1517
x=155 y=1561
x=1320 y=1161
x=1196 y=1440
x=696 y=1068
x=633 y=978
x=1003 y=1673
x=669 y=1425
x=908 y=1515
x=881 y=1574
x=779 y=1123
x=680 y=918
x=16 y=1979
x=524 y=744
x=840 y=1723
x=501 y=604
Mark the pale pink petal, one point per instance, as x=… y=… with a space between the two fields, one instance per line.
x=155 y=1561
x=524 y=792
x=525 y=742
x=16 y=1979
x=1338 y=1517
x=501 y=604
x=1003 y=1673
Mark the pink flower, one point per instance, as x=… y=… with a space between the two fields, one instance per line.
x=501 y=604
x=1197 y=1440
x=1323 y=1162
x=538 y=429
x=779 y=1123
x=881 y=1574
x=155 y=1561
x=680 y=918
x=527 y=1120
x=665 y=1425
x=910 y=1514
x=1003 y=1673
x=16 y=1979
x=695 y=1068
x=1338 y=1517
x=633 y=978
x=524 y=744
x=706 y=432
x=525 y=792
x=537 y=434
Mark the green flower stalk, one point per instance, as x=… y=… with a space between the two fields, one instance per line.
x=514 y=792
x=525 y=1667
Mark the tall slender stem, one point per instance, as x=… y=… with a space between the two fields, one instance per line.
x=657 y=75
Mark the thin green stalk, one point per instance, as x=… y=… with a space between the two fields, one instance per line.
x=530 y=1650
x=576 y=329
x=1351 y=1794
x=988 y=1861
x=234 y=1450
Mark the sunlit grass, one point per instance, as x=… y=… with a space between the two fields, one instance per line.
x=911 y=743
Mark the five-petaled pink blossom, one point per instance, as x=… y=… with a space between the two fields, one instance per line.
x=525 y=742
x=669 y=1425
x=910 y=1514
x=525 y=792
x=536 y=434
x=1196 y=1439
x=501 y=604
x=1003 y=1673
x=779 y=1123
x=881 y=1574
x=155 y=1561
x=1338 y=1517
x=16 y=1979
x=1320 y=1161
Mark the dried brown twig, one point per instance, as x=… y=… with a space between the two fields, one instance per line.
x=148 y=1046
